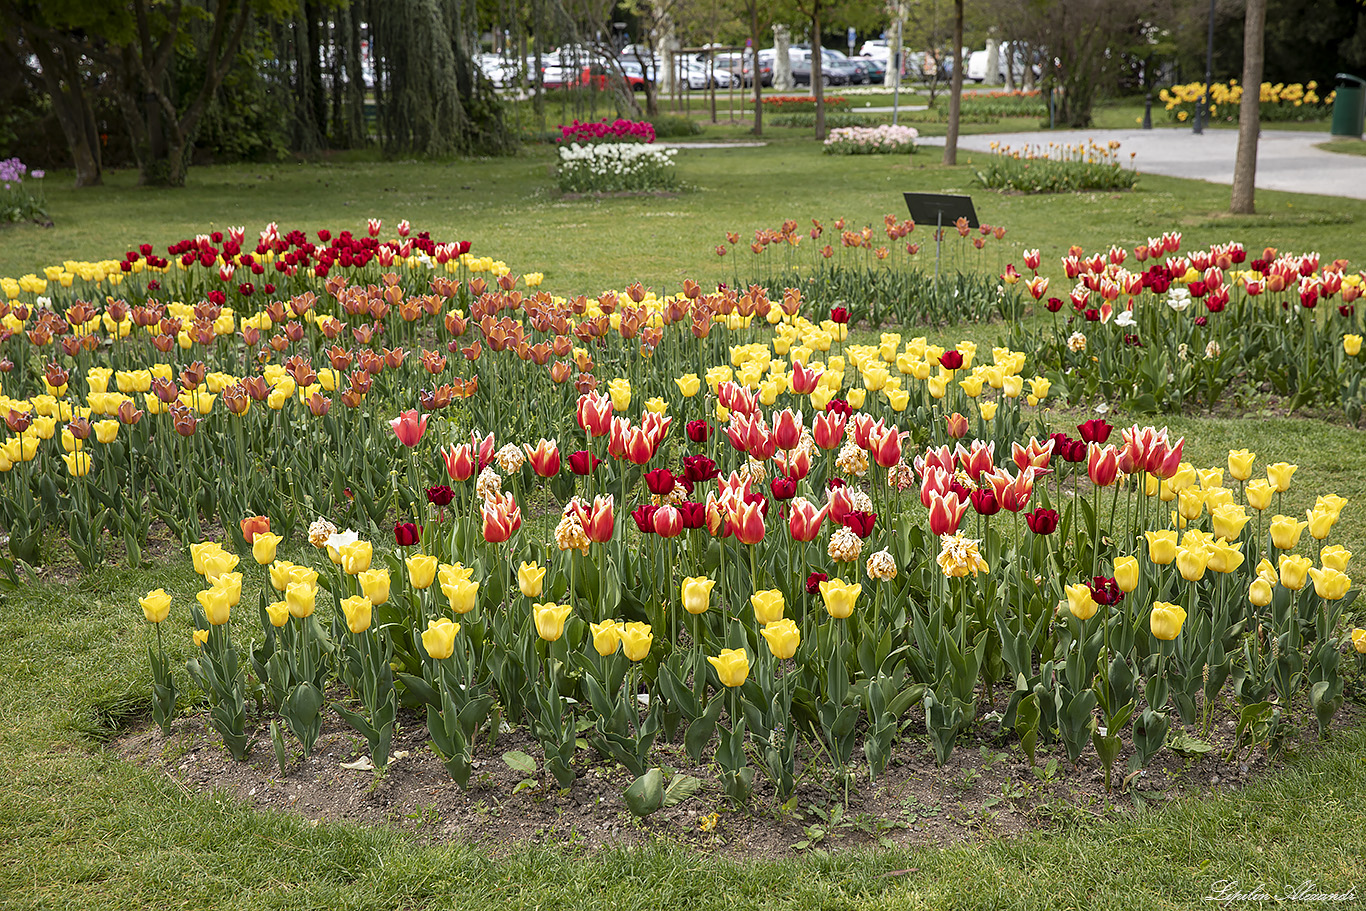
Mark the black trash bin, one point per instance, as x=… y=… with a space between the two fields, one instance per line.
x=1349 y=106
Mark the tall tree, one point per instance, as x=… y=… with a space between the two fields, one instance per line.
x=1249 y=113
x=956 y=95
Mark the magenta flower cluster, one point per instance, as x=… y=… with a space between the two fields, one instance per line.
x=618 y=130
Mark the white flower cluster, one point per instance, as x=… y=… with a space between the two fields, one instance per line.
x=871 y=140
x=605 y=167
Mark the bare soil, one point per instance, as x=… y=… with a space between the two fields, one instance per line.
x=987 y=789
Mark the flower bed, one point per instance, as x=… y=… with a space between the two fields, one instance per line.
x=1058 y=168
x=616 y=167
x=1278 y=102
x=789 y=104
x=879 y=140
x=1178 y=330
x=20 y=199
x=617 y=131
x=707 y=519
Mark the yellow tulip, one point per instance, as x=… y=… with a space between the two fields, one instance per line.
x=1359 y=641
x=1278 y=475
x=1294 y=569
x=462 y=593
x=1166 y=620
x=301 y=598
x=106 y=431
x=1329 y=584
x=1351 y=345
x=1161 y=546
x=530 y=579
x=356 y=557
x=1240 y=464
x=215 y=603
x=1285 y=531
x=263 y=547
x=768 y=606
x=619 y=390
x=421 y=570
x=697 y=594
x=201 y=637
x=657 y=405
x=732 y=666
x=77 y=463
x=606 y=637
x=1225 y=557
x=217 y=563
x=1229 y=520
x=636 y=639
x=278 y=612
x=839 y=597
x=1192 y=562
x=281 y=573
x=1320 y=523
x=1185 y=477
x=1331 y=503
x=1190 y=503
x=1259 y=592
x=688 y=384
x=856 y=397
x=156 y=604
x=972 y=385
x=1335 y=556
x=783 y=638
x=1259 y=494
x=1080 y=601
x=898 y=399
x=375 y=584
x=550 y=620
x=439 y=639
x=358 y=611
x=1126 y=573
x=987 y=410
x=1267 y=570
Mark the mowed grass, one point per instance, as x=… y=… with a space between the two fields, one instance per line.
x=82 y=829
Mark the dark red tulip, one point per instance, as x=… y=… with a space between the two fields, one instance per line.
x=406 y=534
x=440 y=495
x=1096 y=430
x=699 y=431
x=1105 y=590
x=860 y=523
x=839 y=406
x=644 y=516
x=813 y=582
x=839 y=315
x=694 y=515
x=984 y=501
x=951 y=359
x=583 y=462
x=783 y=488
x=660 y=481
x=1042 y=521
x=698 y=469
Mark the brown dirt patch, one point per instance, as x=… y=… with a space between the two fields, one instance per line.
x=986 y=790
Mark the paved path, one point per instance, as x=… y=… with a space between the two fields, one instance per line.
x=738 y=144
x=1286 y=160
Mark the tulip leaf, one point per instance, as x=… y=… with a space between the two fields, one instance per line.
x=680 y=788
x=646 y=793
x=520 y=762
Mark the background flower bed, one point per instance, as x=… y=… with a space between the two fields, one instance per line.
x=879 y=140
x=616 y=167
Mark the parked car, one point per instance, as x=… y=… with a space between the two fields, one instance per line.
x=741 y=67
x=837 y=62
x=831 y=74
x=977 y=65
x=874 y=69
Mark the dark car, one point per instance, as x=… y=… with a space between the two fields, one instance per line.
x=830 y=75
x=874 y=70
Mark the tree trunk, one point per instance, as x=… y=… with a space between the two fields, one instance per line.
x=70 y=106
x=817 y=78
x=956 y=95
x=1249 y=111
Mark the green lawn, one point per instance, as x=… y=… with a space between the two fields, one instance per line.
x=1344 y=146
x=82 y=829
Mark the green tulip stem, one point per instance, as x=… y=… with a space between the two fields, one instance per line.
x=753 y=569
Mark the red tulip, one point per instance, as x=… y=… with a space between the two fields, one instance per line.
x=951 y=359
x=860 y=523
x=598 y=520
x=783 y=488
x=804 y=519
x=694 y=515
x=668 y=522
x=748 y=522
x=804 y=381
x=698 y=469
x=409 y=426
x=699 y=431
x=660 y=481
x=828 y=431
x=946 y=512
x=1042 y=521
x=1102 y=465
x=638 y=449
x=545 y=458
x=583 y=462
x=980 y=457
x=502 y=517
x=787 y=429
x=595 y=414
x=840 y=504
x=1096 y=430
x=813 y=582
x=253 y=526
x=644 y=517
x=1036 y=454
x=406 y=534
x=886 y=448
x=485 y=449
x=984 y=501
x=459 y=461
x=796 y=463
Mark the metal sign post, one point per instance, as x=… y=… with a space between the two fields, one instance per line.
x=939 y=208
